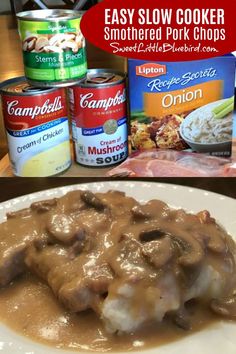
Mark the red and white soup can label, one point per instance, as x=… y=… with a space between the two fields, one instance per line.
x=99 y=124
x=37 y=129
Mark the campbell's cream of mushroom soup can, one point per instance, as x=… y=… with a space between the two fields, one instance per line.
x=53 y=47
x=99 y=118
x=37 y=128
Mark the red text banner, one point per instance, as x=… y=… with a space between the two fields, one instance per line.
x=176 y=30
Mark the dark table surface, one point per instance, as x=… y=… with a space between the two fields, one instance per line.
x=14 y=187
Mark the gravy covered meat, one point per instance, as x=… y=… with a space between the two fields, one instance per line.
x=131 y=264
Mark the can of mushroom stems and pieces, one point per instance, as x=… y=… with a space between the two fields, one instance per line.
x=36 y=127
x=53 y=47
x=99 y=118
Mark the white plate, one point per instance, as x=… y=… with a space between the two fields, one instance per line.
x=218 y=338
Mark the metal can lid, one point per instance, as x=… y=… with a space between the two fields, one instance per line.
x=49 y=15
x=102 y=77
x=19 y=86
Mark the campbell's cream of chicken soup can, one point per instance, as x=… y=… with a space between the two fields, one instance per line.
x=36 y=127
x=99 y=118
x=53 y=47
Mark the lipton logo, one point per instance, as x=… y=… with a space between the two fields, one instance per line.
x=150 y=70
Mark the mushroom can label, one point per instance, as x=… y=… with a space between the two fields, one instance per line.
x=53 y=51
x=99 y=124
x=37 y=133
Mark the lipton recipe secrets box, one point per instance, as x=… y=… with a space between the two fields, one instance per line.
x=182 y=105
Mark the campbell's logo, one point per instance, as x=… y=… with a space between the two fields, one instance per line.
x=88 y=101
x=14 y=108
x=150 y=70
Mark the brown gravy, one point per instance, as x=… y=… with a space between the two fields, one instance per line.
x=86 y=247
x=21 y=307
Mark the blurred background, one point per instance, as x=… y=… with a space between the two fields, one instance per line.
x=7 y=6
x=22 y=186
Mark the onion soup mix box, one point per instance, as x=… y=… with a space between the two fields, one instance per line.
x=182 y=105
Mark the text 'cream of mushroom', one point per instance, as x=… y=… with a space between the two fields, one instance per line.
x=99 y=118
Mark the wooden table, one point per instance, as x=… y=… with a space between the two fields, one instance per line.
x=11 y=188
x=75 y=170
